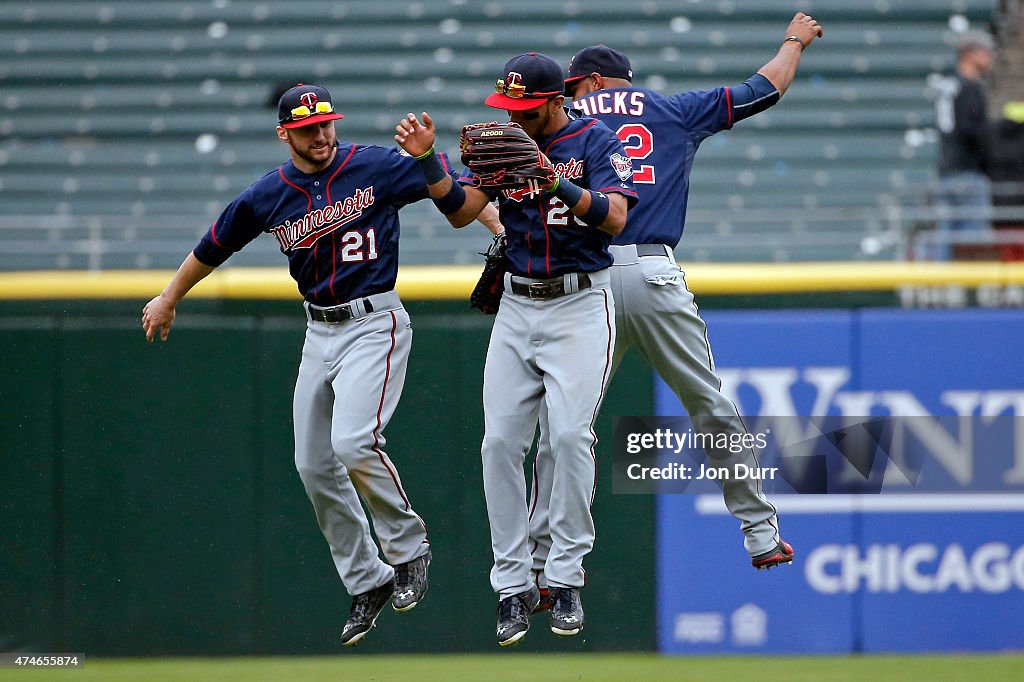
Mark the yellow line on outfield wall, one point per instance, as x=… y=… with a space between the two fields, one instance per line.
x=439 y=282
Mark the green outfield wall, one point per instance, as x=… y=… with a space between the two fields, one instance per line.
x=150 y=504
x=148 y=499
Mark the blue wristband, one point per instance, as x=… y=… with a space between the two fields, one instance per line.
x=598 y=211
x=451 y=202
x=569 y=193
x=431 y=166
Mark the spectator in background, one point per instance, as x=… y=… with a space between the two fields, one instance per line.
x=964 y=193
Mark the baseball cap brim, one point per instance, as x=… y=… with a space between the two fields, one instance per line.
x=315 y=118
x=572 y=79
x=500 y=101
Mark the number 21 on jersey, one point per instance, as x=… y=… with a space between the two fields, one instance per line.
x=355 y=250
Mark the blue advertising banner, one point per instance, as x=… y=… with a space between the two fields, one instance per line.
x=938 y=568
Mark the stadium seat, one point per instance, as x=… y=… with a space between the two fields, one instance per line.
x=154 y=115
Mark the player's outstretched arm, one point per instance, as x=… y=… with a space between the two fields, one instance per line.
x=158 y=314
x=782 y=68
x=459 y=205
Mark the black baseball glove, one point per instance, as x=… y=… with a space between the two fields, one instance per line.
x=503 y=156
x=486 y=294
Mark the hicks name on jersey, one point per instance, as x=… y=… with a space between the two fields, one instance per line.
x=304 y=232
x=622 y=102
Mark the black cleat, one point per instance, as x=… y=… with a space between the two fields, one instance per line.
x=410 y=583
x=514 y=616
x=567 y=611
x=365 y=609
x=782 y=553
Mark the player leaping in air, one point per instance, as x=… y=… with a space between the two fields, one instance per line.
x=333 y=209
x=654 y=310
x=554 y=332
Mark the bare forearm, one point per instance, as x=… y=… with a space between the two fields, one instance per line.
x=158 y=315
x=190 y=272
x=781 y=70
x=490 y=219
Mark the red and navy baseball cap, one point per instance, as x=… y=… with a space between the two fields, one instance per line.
x=599 y=59
x=528 y=81
x=305 y=105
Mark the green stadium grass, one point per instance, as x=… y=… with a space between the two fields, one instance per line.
x=510 y=666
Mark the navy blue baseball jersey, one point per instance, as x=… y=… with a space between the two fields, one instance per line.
x=339 y=227
x=661 y=135
x=545 y=238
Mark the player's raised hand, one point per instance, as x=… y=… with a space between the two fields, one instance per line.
x=414 y=137
x=804 y=27
x=158 y=314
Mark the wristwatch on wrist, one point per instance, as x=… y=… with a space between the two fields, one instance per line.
x=796 y=40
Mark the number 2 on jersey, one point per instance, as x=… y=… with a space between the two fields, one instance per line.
x=638 y=141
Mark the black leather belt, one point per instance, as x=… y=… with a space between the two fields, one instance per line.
x=338 y=313
x=545 y=290
x=651 y=250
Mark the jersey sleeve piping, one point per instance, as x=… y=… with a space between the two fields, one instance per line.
x=213 y=234
x=618 y=190
x=756 y=101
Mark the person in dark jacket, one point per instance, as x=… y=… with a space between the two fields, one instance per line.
x=964 y=196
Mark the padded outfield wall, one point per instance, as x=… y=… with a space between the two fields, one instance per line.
x=149 y=505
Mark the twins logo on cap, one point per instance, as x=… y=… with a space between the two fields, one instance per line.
x=305 y=105
x=514 y=83
x=527 y=81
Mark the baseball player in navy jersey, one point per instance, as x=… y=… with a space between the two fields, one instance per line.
x=333 y=209
x=655 y=312
x=553 y=335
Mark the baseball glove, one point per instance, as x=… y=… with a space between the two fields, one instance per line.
x=486 y=294
x=503 y=156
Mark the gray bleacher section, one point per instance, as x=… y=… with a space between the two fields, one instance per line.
x=126 y=125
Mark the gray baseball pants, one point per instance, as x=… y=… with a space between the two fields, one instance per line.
x=554 y=355
x=350 y=380
x=655 y=313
